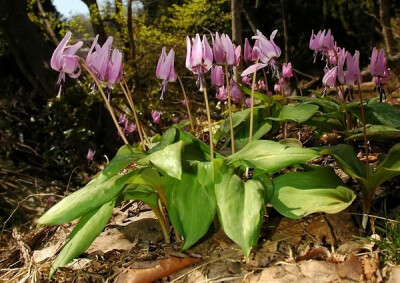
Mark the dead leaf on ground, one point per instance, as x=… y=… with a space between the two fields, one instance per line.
x=108 y=241
x=350 y=269
x=151 y=271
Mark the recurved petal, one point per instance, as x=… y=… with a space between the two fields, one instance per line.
x=55 y=61
x=160 y=62
x=207 y=54
x=253 y=68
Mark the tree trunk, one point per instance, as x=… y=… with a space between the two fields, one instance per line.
x=236 y=8
x=285 y=31
x=96 y=21
x=132 y=45
x=47 y=24
x=384 y=6
x=27 y=45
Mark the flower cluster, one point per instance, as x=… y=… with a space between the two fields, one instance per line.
x=104 y=64
x=127 y=128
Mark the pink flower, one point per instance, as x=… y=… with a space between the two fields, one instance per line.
x=129 y=128
x=156 y=116
x=221 y=94
x=330 y=77
x=247 y=51
x=261 y=85
x=97 y=61
x=175 y=120
x=217 y=76
x=266 y=50
x=287 y=70
x=199 y=58
x=65 y=61
x=248 y=102
x=236 y=95
x=165 y=69
x=114 y=70
x=90 y=154
x=322 y=42
x=246 y=80
x=277 y=88
x=352 y=75
x=122 y=119
x=378 y=66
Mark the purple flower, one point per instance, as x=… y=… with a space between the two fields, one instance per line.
x=236 y=95
x=261 y=85
x=248 y=102
x=221 y=94
x=352 y=75
x=184 y=102
x=330 y=77
x=267 y=52
x=199 y=58
x=248 y=51
x=165 y=69
x=90 y=154
x=97 y=61
x=246 y=80
x=65 y=61
x=322 y=42
x=156 y=116
x=130 y=128
x=122 y=119
x=114 y=70
x=217 y=76
x=378 y=66
x=223 y=49
x=277 y=88
x=175 y=120
x=287 y=70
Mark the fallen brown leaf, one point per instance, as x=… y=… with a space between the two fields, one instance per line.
x=151 y=271
x=350 y=269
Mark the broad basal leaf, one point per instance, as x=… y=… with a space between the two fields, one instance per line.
x=375 y=133
x=84 y=200
x=84 y=233
x=270 y=156
x=167 y=160
x=191 y=201
x=388 y=168
x=298 y=194
x=240 y=207
x=378 y=113
x=298 y=113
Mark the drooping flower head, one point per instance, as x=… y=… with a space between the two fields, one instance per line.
x=267 y=52
x=114 y=69
x=156 y=116
x=224 y=51
x=222 y=93
x=199 y=58
x=322 y=42
x=65 y=61
x=217 y=76
x=379 y=70
x=236 y=94
x=90 y=154
x=98 y=57
x=329 y=80
x=352 y=74
x=165 y=69
x=248 y=51
x=287 y=70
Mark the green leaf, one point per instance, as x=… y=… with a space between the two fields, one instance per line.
x=146 y=177
x=85 y=200
x=142 y=193
x=298 y=113
x=378 y=113
x=125 y=155
x=191 y=201
x=388 y=168
x=375 y=133
x=324 y=104
x=240 y=207
x=83 y=234
x=291 y=142
x=167 y=160
x=270 y=156
x=347 y=160
x=299 y=194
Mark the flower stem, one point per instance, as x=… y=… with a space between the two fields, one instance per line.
x=284 y=124
x=253 y=86
x=163 y=222
x=228 y=89
x=109 y=108
x=266 y=90
x=209 y=122
x=187 y=105
x=364 y=132
x=132 y=106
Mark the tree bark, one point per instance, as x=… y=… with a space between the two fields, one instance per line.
x=285 y=31
x=384 y=6
x=236 y=9
x=132 y=45
x=28 y=47
x=96 y=21
x=47 y=24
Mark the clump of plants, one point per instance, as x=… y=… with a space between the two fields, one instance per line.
x=189 y=183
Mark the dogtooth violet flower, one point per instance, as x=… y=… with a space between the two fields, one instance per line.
x=222 y=93
x=65 y=61
x=224 y=51
x=156 y=116
x=199 y=58
x=217 y=76
x=352 y=74
x=98 y=57
x=321 y=42
x=287 y=70
x=330 y=76
x=267 y=52
x=114 y=70
x=165 y=69
x=90 y=154
x=236 y=94
x=379 y=70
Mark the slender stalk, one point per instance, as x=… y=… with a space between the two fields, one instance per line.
x=266 y=90
x=109 y=108
x=187 y=105
x=163 y=223
x=284 y=124
x=132 y=106
x=364 y=132
x=209 y=121
x=253 y=85
x=228 y=89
